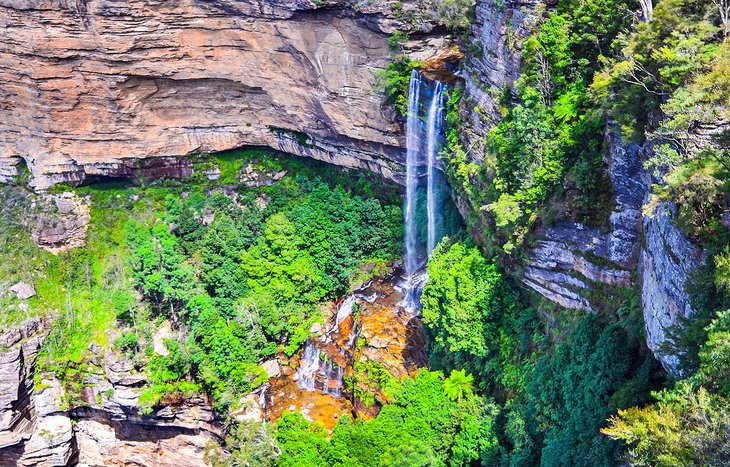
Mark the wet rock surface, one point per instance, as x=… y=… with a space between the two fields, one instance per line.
x=377 y=330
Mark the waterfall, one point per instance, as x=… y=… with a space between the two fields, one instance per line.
x=308 y=367
x=418 y=154
x=412 y=158
x=433 y=130
x=317 y=370
x=344 y=310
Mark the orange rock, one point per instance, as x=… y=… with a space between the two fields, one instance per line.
x=442 y=68
x=84 y=91
x=391 y=337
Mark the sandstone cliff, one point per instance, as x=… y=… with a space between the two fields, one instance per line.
x=102 y=88
x=93 y=86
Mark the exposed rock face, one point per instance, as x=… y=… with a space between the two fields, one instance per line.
x=498 y=33
x=491 y=65
x=667 y=257
x=253 y=177
x=570 y=259
x=50 y=442
x=19 y=348
x=93 y=86
x=172 y=437
x=59 y=221
x=103 y=426
x=571 y=262
x=22 y=290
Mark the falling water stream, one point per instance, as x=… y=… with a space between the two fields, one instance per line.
x=424 y=128
x=412 y=163
x=433 y=192
x=422 y=151
x=316 y=368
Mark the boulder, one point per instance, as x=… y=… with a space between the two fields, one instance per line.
x=22 y=290
x=271 y=367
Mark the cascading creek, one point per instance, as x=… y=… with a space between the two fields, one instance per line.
x=379 y=321
x=321 y=366
x=317 y=370
x=424 y=139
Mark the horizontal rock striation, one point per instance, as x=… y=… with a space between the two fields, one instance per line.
x=569 y=259
x=93 y=86
x=19 y=347
x=570 y=264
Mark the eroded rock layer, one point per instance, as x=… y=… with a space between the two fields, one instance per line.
x=91 y=86
x=570 y=261
x=42 y=423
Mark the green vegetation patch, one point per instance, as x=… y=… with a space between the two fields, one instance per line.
x=237 y=273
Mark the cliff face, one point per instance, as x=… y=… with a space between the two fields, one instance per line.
x=104 y=88
x=571 y=264
x=91 y=86
x=580 y=267
x=41 y=426
x=493 y=62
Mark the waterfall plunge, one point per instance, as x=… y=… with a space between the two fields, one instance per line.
x=412 y=158
x=422 y=152
x=433 y=132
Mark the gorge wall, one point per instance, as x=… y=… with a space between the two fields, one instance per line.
x=571 y=264
x=40 y=426
x=92 y=87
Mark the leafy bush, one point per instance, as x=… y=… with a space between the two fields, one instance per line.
x=458 y=299
x=393 y=82
x=657 y=60
x=456 y=15
x=684 y=427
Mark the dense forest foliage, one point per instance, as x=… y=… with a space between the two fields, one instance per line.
x=241 y=269
x=587 y=64
x=268 y=266
x=656 y=74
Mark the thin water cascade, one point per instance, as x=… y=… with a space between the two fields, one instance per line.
x=317 y=369
x=308 y=367
x=344 y=310
x=433 y=133
x=412 y=158
x=422 y=148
